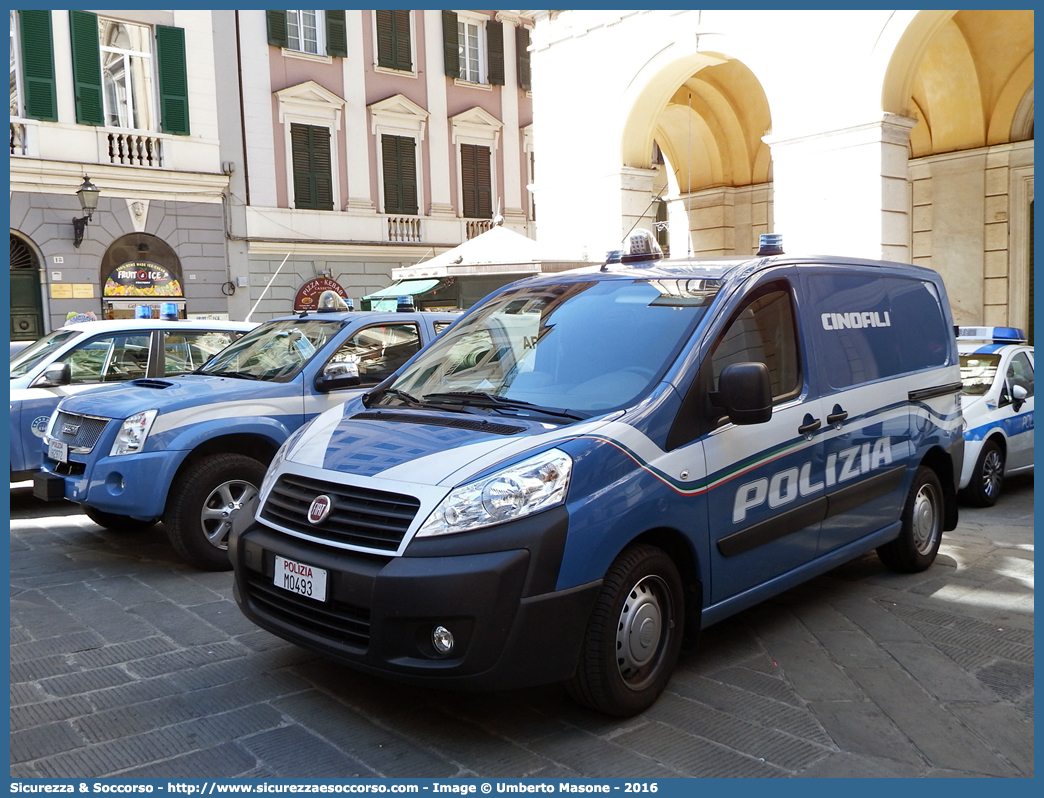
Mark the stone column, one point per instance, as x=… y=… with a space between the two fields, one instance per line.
x=844 y=192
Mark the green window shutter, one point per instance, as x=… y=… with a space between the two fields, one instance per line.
x=495 y=52
x=450 y=54
x=310 y=151
x=385 y=39
x=476 y=181
x=173 y=80
x=525 y=75
x=86 y=58
x=40 y=99
x=336 y=34
x=276 y=23
x=403 y=57
x=399 y=160
x=393 y=40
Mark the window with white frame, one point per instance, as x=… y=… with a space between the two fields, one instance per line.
x=470 y=47
x=127 y=86
x=304 y=32
x=16 y=78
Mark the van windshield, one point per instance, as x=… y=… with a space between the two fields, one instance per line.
x=577 y=348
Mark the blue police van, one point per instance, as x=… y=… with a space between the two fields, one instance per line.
x=190 y=450
x=591 y=463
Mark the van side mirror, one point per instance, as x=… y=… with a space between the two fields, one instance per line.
x=55 y=374
x=1018 y=397
x=745 y=393
x=338 y=376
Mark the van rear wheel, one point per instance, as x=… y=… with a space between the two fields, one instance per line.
x=922 y=520
x=203 y=504
x=634 y=634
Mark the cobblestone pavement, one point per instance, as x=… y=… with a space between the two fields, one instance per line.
x=126 y=663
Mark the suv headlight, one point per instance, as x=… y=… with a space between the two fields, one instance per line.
x=131 y=437
x=519 y=490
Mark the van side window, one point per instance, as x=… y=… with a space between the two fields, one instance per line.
x=763 y=332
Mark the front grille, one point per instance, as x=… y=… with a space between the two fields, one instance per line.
x=373 y=519
x=80 y=432
x=345 y=623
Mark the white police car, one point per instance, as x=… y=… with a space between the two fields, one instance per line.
x=997 y=373
x=90 y=354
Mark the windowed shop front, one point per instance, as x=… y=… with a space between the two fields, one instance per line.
x=141 y=278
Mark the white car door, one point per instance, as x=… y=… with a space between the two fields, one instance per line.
x=1018 y=420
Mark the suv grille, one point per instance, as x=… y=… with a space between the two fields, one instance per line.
x=334 y=620
x=358 y=516
x=80 y=432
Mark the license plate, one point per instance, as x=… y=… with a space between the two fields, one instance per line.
x=58 y=450
x=297 y=577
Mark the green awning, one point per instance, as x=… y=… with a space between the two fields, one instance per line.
x=404 y=288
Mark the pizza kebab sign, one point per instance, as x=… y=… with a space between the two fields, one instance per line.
x=308 y=295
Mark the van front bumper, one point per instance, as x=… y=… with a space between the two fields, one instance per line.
x=495 y=595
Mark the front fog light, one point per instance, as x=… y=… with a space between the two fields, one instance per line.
x=442 y=639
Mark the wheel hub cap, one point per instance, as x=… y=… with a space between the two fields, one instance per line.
x=924 y=521
x=640 y=628
x=220 y=509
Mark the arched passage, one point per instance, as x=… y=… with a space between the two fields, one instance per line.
x=966 y=77
x=706 y=113
x=26 y=300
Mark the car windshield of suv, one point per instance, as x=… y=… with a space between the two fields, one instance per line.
x=566 y=350
x=274 y=352
x=978 y=372
x=30 y=357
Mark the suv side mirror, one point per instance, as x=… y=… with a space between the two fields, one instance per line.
x=337 y=376
x=745 y=393
x=1018 y=396
x=55 y=374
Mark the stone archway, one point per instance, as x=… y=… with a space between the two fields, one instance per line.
x=966 y=78
x=27 y=323
x=706 y=113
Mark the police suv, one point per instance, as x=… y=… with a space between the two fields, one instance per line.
x=86 y=355
x=191 y=450
x=591 y=462
x=997 y=372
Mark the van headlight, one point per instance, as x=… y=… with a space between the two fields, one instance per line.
x=519 y=490
x=133 y=432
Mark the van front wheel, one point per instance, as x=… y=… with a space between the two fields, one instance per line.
x=203 y=503
x=634 y=634
x=922 y=519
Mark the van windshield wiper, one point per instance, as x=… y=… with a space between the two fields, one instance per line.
x=481 y=399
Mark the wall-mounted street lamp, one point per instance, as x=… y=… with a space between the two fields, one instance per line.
x=88 y=194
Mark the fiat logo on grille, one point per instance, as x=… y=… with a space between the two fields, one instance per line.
x=319 y=509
